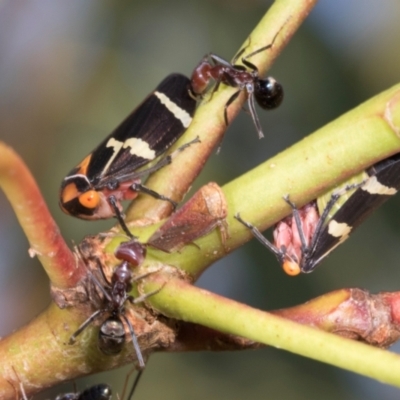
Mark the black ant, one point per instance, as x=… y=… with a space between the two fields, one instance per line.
x=112 y=332
x=96 y=392
x=267 y=92
x=100 y=391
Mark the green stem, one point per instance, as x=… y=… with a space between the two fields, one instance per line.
x=327 y=157
x=180 y=300
x=309 y=168
x=284 y=16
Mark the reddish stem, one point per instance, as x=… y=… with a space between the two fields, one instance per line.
x=35 y=219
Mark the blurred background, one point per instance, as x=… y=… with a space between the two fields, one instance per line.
x=71 y=71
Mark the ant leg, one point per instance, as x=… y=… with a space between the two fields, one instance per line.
x=228 y=103
x=99 y=285
x=95 y=280
x=240 y=52
x=84 y=325
x=250 y=66
x=252 y=109
x=254 y=115
x=145 y=296
x=133 y=335
x=215 y=88
x=135 y=342
x=135 y=383
x=268 y=46
x=146 y=274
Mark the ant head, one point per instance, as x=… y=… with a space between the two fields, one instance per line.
x=268 y=93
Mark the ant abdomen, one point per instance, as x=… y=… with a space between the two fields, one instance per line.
x=268 y=93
